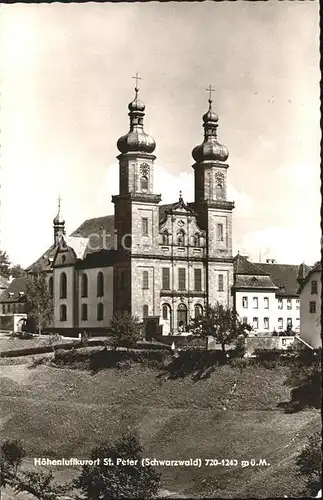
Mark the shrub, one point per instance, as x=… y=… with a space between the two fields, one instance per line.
x=309 y=464
x=104 y=482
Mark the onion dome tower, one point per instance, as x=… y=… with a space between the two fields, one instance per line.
x=210 y=149
x=58 y=224
x=136 y=140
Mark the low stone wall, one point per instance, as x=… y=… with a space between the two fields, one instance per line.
x=252 y=343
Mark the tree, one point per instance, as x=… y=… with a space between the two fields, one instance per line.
x=4 y=264
x=39 y=303
x=109 y=482
x=13 y=452
x=221 y=323
x=40 y=484
x=11 y=455
x=305 y=379
x=17 y=271
x=124 y=328
x=309 y=463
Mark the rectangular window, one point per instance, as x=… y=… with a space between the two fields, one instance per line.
x=145 y=282
x=255 y=323
x=182 y=278
x=144 y=226
x=219 y=232
x=99 y=311
x=266 y=323
x=280 y=303
x=312 y=306
x=289 y=322
x=283 y=342
x=245 y=320
x=245 y=302
x=220 y=283
x=280 y=323
x=255 y=302
x=289 y=304
x=297 y=303
x=84 y=312
x=266 y=302
x=145 y=311
x=314 y=287
x=9 y=308
x=198 y=280
x=165 y=278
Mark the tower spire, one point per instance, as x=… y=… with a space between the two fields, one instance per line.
x=136 y=140
x=210 y=149
x=58 y=222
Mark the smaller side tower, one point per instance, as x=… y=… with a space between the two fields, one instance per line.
x=58 y=224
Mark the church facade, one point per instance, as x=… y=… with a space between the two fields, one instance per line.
x=162 y=263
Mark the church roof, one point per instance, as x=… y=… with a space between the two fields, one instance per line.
x=44 y=262
x=78 y=244
x=97 y=224
x=15 y=291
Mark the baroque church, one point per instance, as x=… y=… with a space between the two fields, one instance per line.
x=162 y=263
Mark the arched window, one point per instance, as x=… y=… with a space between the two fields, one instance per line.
x=145 y=311
x=99 y=311
x=144 y=184
x=196 y=240
x=198 y=311
x=182 y=317
x=51 y=286
x=165 y=237
x=100 y=285
x=181 y=238
x=166 y=312
x=63 y=312
x=219 y=191
x=84 y=285
x=63 y=286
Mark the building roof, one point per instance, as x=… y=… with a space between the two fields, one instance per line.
x=317 y=268
x=45 y=260
x=15 y=291
x=284 y=276
x=78 y=244
x=245 y=281
x=241 y=265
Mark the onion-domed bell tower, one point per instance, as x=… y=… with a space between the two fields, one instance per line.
x=212 y=207
x=58 y=224
x=136 y=213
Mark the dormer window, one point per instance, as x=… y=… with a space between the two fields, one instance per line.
x=197 y=240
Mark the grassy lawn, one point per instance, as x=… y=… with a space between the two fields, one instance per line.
x=64 y=413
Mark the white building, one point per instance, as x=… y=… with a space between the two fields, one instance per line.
x=310 y=306
x=266 y=295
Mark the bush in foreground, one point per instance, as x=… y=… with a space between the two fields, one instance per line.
x=107 y=482
x=309 y=464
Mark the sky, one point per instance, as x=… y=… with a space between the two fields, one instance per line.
x=66 y=81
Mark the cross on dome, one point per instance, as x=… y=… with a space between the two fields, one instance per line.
x=210 y=90
x=137 y=77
